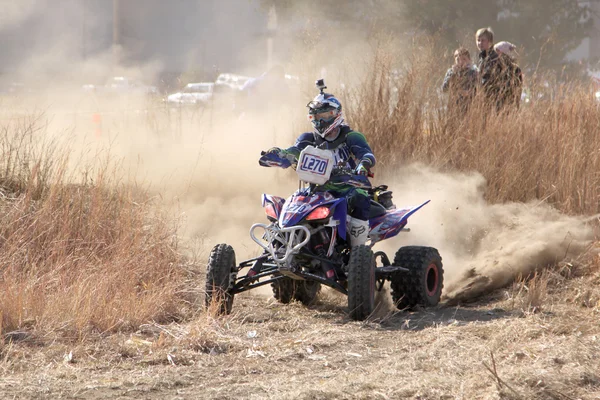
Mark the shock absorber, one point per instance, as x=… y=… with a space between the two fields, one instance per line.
x=255 y=269
x=320 y=250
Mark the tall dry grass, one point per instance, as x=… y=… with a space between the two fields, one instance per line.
x=79 y=256
x=547 y=150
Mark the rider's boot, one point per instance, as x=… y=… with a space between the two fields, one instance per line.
x=359 y=231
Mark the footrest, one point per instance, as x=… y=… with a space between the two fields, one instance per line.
x=388 y=271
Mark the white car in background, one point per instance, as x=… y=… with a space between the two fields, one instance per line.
x=234 y=81
x=193 y=93
x=122 y=85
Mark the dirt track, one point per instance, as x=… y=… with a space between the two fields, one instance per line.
x=271 y=351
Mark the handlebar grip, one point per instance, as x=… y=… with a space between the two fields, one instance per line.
x=262 y=153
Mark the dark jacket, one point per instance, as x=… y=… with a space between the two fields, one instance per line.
x=512 y=78
x=461 y=85
x=500 y=78
x=349 y=147
x=490 y=71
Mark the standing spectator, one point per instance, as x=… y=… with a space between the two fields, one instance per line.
x=512 y=76
x=490 y=69
x=460 y=81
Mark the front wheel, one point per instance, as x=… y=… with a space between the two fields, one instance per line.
x=220 y=275
x=361 y=283
x=423 y=283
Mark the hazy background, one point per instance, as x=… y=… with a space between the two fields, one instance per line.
x=198 y=39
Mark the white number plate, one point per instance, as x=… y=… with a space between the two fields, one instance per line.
x=315 y=165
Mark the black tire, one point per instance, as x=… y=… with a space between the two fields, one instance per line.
x=423 y=283
x=220 y=276
x=288 y=289
x=361 y=283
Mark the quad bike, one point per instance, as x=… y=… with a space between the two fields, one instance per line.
x=306 y=246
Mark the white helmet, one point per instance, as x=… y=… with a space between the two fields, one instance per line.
x=325 y=114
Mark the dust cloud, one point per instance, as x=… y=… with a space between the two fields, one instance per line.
x=218 y=183
x=14 y=13
x=201 y=163
x=483 y=246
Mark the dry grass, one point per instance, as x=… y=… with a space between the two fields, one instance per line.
x=531 y=292
x=547 y=150
x=79 y=257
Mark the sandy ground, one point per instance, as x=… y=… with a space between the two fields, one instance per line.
x=495 y=348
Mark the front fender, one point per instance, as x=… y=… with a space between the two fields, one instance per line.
x=275 y=200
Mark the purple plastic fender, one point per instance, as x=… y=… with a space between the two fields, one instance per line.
x=275 y=200
x=298 y=206
x=391 y=223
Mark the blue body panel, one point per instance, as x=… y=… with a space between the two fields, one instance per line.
x=391 y=223
x=299 y=205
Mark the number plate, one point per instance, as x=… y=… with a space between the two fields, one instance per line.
x=315 y=165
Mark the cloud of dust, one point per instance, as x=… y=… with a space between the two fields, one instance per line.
x=202 y=160
x=483 y=246
x=15 y=12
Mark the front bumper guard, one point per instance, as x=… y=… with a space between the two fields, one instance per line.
x=289 y=240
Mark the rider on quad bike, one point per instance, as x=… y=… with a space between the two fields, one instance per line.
x=350 y=149
x=318 y=235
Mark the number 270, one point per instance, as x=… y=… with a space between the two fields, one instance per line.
x=314 y=164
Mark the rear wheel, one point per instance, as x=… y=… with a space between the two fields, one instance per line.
x=361 y=283
x=423 y=283
x=287 y=289
x=220 y=275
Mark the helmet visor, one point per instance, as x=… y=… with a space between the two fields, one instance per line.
x=325 y=115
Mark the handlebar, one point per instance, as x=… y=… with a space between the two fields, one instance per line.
x=344 y=170
x=273 y=160
x=341 y=174
x=345 y=176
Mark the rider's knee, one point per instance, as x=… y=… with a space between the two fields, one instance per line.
x=360 y=207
